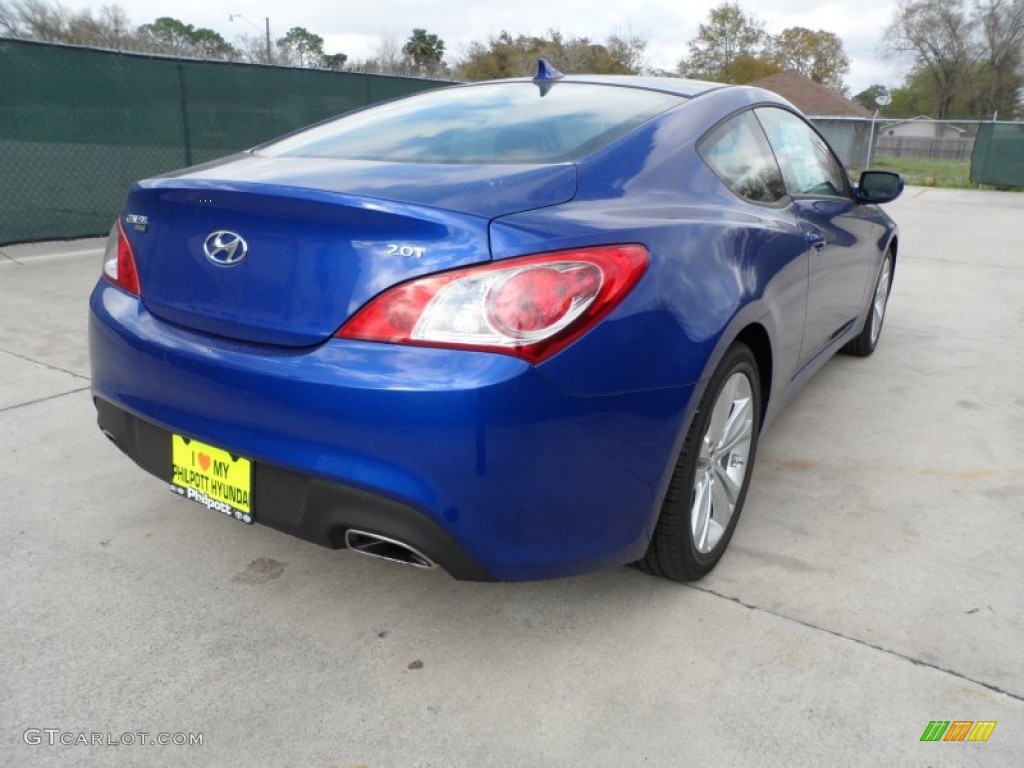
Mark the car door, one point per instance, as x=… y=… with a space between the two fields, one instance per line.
x=740 y=155
x=839 y=234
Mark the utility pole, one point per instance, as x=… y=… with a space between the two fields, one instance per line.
x=233 y=16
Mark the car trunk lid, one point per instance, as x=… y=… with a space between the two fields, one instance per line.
x=315 y=239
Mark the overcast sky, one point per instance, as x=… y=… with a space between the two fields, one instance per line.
x=355 y=27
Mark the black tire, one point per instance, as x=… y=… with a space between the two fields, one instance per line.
x=866 y=341
x=673 y=552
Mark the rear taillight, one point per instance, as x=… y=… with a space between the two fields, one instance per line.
x=530 y=307
x=119 y=261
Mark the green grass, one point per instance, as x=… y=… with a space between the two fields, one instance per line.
x=928 y=173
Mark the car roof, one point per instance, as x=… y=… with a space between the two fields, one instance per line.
x=675 y=85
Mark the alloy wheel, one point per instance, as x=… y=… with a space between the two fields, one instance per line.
x=881 y=300
x=722 y=463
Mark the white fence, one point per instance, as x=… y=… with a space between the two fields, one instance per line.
x=929 y=148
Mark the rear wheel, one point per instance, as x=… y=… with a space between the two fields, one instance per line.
x=709 y=484
x=865 y=343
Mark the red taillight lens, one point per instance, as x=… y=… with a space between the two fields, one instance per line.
x=530 y=307
x=533 y=300
x=119 y=261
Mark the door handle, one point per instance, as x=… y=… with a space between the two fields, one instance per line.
x=816 y=240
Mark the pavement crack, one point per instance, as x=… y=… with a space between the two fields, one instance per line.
x=865 y=643
x=11 y=259
x=45 y=365
x=42 y=400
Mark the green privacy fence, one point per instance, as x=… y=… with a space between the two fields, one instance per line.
x=998 y=157
x=78 y=125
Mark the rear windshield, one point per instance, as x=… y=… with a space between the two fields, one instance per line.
x=488 y=124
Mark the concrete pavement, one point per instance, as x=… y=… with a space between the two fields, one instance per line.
x=875 y=582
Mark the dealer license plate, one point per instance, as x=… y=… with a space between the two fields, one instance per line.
x=212 y=477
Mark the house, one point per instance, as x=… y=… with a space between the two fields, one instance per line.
x=926 y=138
x=923 y=127
x=811 y=98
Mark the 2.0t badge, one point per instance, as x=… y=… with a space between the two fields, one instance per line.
x=225 y=248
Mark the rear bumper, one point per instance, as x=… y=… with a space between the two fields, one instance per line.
x=306 y=507
x=478 y=460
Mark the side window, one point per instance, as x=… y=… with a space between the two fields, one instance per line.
x=739 y=153
x=807 y=164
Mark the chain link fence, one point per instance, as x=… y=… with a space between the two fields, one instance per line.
x=850 y=137
x=79 y=125
x=995 y=150
x=859 y=141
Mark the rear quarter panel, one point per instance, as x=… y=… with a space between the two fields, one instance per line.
x=718 y=263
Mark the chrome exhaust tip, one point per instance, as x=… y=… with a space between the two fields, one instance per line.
x=375 y=545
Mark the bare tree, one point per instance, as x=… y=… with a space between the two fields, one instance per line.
x=8 y=22
x=1002 y=28
x=940 y=34
x=387 y=59
x=37 y=20
x=52 y=22
x=114 y=28
x=253 y=49
x=968 y=56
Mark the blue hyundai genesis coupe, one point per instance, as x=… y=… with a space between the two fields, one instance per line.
x=519 y=329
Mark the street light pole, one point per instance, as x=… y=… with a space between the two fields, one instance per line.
x=871 y=141
x=881 y=100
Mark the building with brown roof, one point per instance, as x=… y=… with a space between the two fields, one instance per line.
x=809 y=97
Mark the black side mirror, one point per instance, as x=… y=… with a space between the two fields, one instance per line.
x=878 y=187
